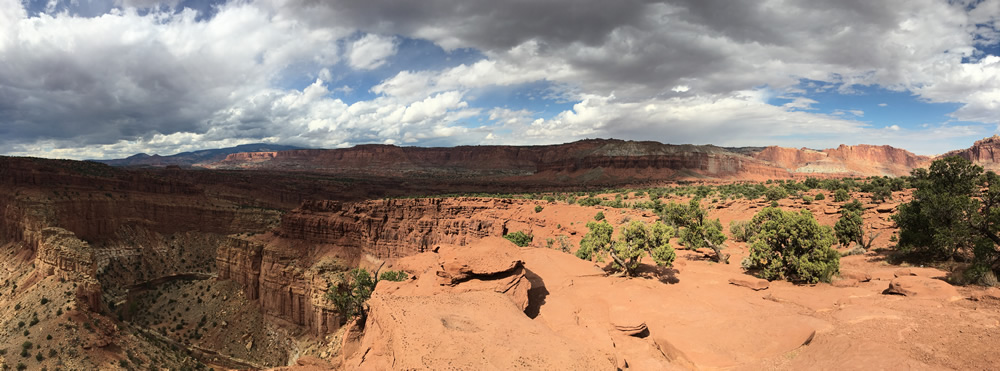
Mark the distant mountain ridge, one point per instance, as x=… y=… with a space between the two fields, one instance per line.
x=194 y=157
x=589 y=160
x=604 y=161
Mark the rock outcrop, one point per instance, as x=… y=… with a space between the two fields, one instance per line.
x=472 y=331
x=858 y=160
x=571 y=162
x=592 y=161
x=922 y=287
x=288 y=272
x=985 y=152
x=460 y=312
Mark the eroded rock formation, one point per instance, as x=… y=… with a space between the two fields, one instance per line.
x=593 y=161
x=289 y=271
x=858 y=160
x=472 y=300
x=985 y=152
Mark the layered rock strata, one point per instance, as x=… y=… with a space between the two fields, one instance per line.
x=288 y=272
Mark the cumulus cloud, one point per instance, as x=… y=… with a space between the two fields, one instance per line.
x=370 y=51
x=699 y=71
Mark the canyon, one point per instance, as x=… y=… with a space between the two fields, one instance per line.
x=228 y=263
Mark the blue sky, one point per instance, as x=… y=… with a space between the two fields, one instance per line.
x=110 y=78
x=874 y=105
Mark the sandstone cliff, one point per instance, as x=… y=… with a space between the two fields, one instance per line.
x=985 y=153
x=615 y=161
x=288 y=272
x=859 y=160
x=586 y=162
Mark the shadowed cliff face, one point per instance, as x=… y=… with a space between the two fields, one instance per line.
x=288 y=271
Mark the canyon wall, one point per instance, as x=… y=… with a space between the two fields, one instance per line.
x=542 y=164
x=858 y=160
x=985 y=153
x=592 y=161
x=289 y=271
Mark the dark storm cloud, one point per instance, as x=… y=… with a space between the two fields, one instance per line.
x=485 y=24
x=164 y=75
x=645 y=48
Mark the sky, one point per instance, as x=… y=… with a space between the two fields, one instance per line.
x=98 y=79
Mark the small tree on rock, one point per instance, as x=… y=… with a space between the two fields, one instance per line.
x=840 y=195
x=792 y=246
x=634 y=241
x=848 y=228
x=595 y=241
x=700 y=232
x=775 y=193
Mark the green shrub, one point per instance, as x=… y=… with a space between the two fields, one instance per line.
x=636 y=239
x=848 y=228
x=953 y=213
x=840 y=195
x=519 y=238
x=538 y=208
x=792 y=246
x=394 y=276
x=674 y=214
x=807 y=200
x=820 y=197
x=595 y=241
x=880 y=194
x=775 y=193
x=853 y=206
x=351 y=292
x=742 y=231
x=696 y=230
x=599 y=216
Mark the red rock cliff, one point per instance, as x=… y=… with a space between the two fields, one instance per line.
x=629 y=158
x=859 y=160
x=288 y=272
x=985 y=152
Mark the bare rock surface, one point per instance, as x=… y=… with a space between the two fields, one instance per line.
x=465 y=331
x=922 y=287
x=489 y=256
x=754 y=283
x=855 y=274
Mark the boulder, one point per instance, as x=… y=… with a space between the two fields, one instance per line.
x=831 y=210
x=921 y=287
x=886 y=208
x=902 y=272
x=625 y=320
x=489 y=256
x=860 y=276
x=754 y=283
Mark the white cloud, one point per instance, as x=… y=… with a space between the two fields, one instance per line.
x=131 y=76
x=371 y=51
x=679 y=70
